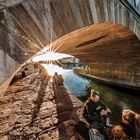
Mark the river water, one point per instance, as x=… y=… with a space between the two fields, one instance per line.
x=75 y=84
x=116 y=98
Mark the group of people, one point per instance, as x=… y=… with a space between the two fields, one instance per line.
x=97 y=115
x=58 y=79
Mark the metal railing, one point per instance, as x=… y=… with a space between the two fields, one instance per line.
x=135 y=4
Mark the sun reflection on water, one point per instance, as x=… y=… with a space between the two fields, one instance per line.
x=51 y=69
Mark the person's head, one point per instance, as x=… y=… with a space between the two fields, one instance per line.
x=117 y=131
x=94 y=96
x=55 y=73
x=128 y=116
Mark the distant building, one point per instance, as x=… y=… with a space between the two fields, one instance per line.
x=70 y=62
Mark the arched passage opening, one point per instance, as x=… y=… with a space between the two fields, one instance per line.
x=110 y=50
x=27 y=26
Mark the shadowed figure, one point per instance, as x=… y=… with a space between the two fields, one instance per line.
x=55 y=78
x=65 y=109
x=38 y=102
x=129 y=127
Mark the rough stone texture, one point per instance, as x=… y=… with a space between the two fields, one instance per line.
x=7 y=65
x=31 y=109
x=110 y=50
x=28 y=26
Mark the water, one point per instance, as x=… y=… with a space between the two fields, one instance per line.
x=75 y=84
x=115 y=98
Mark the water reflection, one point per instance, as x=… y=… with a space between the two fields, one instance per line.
x=115 y=98
x=51 y=69
x=74 y=83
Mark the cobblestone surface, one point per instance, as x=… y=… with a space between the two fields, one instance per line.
x=33 y=108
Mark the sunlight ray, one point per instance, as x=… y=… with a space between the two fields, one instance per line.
x=57 y=48
x=24 y=29
x=17 y=44
x=59 y=63
x=55 y=62
x=36 y=38
x=50 y=56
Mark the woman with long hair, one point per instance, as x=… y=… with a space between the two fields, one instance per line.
x=130 y=125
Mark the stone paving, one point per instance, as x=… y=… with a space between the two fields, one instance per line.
x=35 y=109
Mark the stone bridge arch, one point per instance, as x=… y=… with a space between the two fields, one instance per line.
x=110 y=50
x=27 y=26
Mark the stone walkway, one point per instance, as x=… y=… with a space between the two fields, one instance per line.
x=35 y=109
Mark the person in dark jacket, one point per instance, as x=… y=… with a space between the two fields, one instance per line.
x=95 y=112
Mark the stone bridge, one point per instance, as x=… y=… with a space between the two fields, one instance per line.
x=103 y=33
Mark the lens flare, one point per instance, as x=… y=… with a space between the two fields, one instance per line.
x=51 y=69
x=49 y=56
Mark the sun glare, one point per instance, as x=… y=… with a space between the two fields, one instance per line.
x=48 y=56
x=52 y=58
x=51 y=69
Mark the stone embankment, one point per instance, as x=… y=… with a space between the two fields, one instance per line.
x=35 y=109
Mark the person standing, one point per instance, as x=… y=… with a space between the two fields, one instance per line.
x=61 y=80
x=56 y=78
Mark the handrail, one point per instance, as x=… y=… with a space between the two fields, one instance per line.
x=131 y=7
x=135 y=4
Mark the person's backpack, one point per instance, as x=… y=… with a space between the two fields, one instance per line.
x=95 y=135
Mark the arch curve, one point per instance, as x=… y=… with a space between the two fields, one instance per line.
x=26 y=27
x=111 y=50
